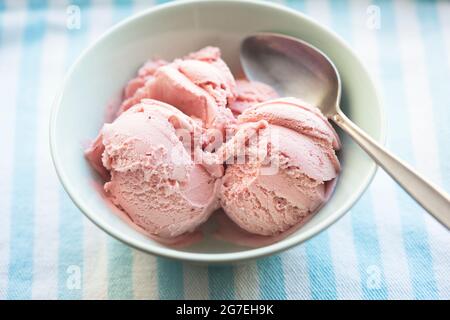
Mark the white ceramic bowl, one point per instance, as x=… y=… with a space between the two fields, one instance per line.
x=170 y=31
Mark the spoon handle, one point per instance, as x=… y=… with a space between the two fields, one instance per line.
x=430 y=197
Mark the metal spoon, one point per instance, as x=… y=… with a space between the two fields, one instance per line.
x=296 y=68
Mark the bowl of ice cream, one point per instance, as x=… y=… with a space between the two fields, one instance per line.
x=140 y=182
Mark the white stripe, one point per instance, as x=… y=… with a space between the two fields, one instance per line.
x=95 y=262
x=246 y=280
x=145 y=276
x=296 y=274
x=364 y=42
x=418 y=96
x=443 y=8
x=195 y=282
x=12 y=24
x=386 y=212
x=318 y=10
x=342 y=247
x=95 y=273
x=142 y=5
x=423 y=131
x=345 y=263
x=45 y=266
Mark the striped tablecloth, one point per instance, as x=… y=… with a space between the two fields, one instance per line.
x=386 y=247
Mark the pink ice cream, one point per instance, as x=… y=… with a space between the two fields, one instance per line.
x=166 y=170
x=249 y=93
x=146 y=73
x=200 y=85
x=153 y=176
x=269 y=194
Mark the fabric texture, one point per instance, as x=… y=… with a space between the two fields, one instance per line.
x=387 y=247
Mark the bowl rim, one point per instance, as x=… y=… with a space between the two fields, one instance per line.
x=211 y=258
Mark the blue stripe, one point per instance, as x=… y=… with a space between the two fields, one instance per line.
x=70 y=218
x=120 y=256
x=37 y=4
x=122 y=8
x=120 y=270
x=365 y=237
x=413 y=229
x=271 y=278
x=320 y=267
x=23 y=189
x=221 y=282
x=368 y=248
x=170 y=279
x=438 y=72
x=296 y=4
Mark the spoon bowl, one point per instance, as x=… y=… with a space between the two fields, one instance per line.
x=271 y=58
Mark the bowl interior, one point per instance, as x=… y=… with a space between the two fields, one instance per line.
x=170 y=31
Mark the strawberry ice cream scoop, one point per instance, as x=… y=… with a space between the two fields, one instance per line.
x=249 y=93
x=153 y=177
x=146 y=73
x=200 y=85
x=289 y=172
x=197 y=88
